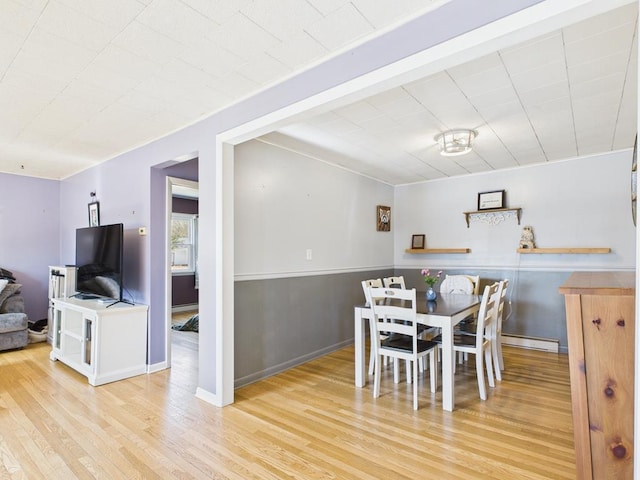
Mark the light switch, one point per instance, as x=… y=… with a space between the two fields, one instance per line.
x=309 y=254
x=142 y=231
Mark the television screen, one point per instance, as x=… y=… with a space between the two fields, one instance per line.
x=99 y=261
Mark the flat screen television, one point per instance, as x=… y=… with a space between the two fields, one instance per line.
x=99 y=262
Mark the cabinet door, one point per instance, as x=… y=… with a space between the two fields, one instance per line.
x=88 y=334
x=56 y=327
x=608 y=330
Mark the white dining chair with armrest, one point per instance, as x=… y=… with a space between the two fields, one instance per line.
x=394 y=312
x=481 y=344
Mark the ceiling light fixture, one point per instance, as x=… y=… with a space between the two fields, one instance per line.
x=455 y=142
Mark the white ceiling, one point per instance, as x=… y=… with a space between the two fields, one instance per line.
x=566 y=94
x=81 y=82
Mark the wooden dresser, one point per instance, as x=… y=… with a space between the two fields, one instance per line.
x=601 y=335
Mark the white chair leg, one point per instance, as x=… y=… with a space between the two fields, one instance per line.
x=500 y=357
x=496 y=360
x=396 y=371
x=407 y=367
x=376 y=377
x=372 y=361
x=415 y=384
x=489 y=362
x=372 y=345
x=480 y=374
x=433 y=374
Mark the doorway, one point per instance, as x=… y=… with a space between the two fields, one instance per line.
x=182 y=306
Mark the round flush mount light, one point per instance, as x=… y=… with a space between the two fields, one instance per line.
x=455 y=142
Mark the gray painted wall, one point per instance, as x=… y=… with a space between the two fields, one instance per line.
x=287 y=321
x=30 y=235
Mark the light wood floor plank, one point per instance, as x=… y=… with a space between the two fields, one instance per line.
x=307 y=423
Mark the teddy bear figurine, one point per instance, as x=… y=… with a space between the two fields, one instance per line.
x=526 y=239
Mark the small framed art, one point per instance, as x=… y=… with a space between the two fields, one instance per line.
x=383 y=218
x=94 y=214
x=417 y=241
x=491 y=200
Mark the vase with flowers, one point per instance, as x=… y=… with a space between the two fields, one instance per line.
x=431 y=281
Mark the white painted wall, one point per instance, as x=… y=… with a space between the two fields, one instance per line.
x=583 y=202
x=286 y=203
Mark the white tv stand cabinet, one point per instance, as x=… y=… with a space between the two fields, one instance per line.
x=104 y=343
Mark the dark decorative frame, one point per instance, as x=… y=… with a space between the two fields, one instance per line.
x=383 y=218
x=491 y=200
x=94 y=214
x=417 y=241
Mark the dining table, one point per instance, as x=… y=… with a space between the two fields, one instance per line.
x=445 y=312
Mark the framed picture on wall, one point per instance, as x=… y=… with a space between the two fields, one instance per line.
x=417 y=241
x=94 y=214
x=383 y=218
x=491 y=200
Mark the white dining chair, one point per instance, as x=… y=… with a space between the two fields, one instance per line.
x=462 y=284
x=394 y=282
x=398 y=282
x=394 y=312
x=498 y=360
x=457 y=284
x=480 y=344
x=496 y=330
x=366 y=285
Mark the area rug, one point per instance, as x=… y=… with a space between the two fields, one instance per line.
x=190 y=325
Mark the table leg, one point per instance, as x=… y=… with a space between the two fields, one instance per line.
x=359 y=330
x=448 y=359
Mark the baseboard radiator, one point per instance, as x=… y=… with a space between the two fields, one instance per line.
x=544 y=344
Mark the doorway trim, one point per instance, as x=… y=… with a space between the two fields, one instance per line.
x=170 y=183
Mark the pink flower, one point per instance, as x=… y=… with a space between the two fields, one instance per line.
x=428 y=279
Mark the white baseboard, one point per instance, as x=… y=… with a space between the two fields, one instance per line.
x=545 y=344
x=156 y=367
x=207 y=396
x=184 y=308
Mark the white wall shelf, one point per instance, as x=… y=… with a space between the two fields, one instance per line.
x=493 y=216
x=573 y=250
x=426 y=251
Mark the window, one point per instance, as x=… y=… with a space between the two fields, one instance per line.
x=183 y=243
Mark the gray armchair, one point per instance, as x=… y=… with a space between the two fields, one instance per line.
x=13 y=320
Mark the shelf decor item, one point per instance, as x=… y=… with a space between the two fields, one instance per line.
x=526 y=238
x=417 y=241
x=491 y=200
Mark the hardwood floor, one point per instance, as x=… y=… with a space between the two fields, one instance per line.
x=309 y=422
